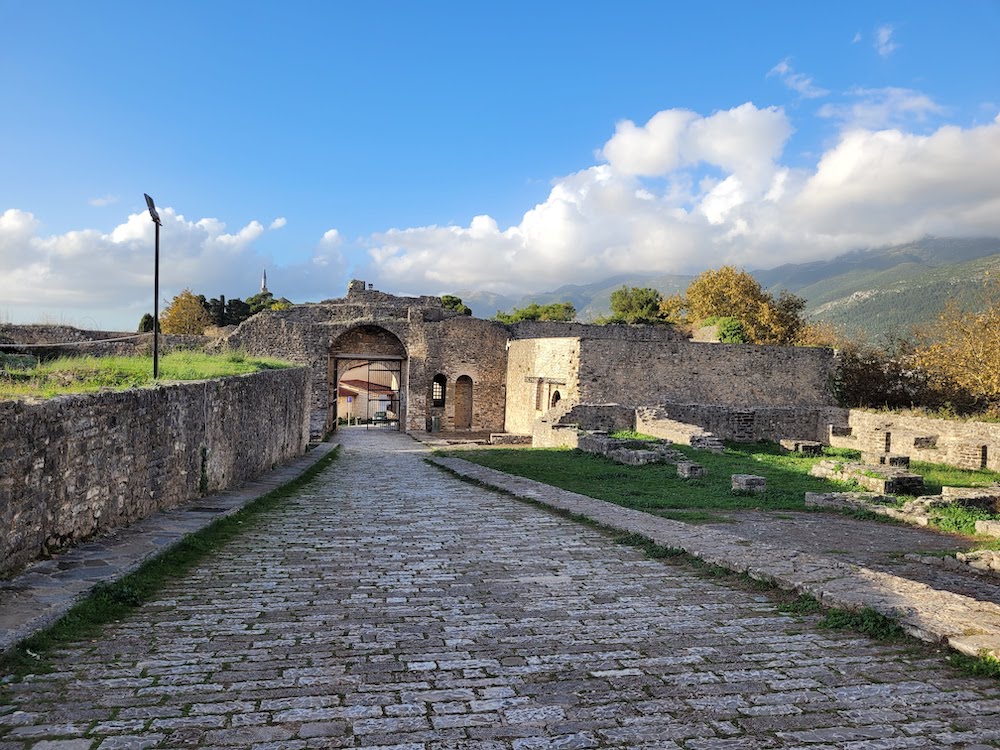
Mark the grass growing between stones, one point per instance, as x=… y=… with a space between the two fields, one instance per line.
x=26 y=378
x=109 y=602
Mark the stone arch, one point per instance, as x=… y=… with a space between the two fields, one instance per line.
x=463 y=402
x=368 y=366
x=556 y=398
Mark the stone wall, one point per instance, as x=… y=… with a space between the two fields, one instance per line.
x=757 y=423
x=74 y=466
x=48 y=341
x=638 y=373
x=966 y=444
x=537 y=369
x=429 y=338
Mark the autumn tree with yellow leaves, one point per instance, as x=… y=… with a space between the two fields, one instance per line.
x=185 y=314
x=726 y=294
x=961 y=351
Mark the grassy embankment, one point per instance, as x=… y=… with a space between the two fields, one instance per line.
x=657 y=489
x=25 y=377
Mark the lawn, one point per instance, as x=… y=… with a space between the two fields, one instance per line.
x=24 y=377
x=656 y=488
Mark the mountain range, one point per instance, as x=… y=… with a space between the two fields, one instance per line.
x=875 y=293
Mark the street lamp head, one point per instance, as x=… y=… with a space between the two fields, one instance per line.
x=152 y=209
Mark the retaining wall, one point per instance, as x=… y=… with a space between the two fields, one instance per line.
x=74 y=466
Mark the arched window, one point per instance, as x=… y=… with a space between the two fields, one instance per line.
x=438 y=386
x=556 y=398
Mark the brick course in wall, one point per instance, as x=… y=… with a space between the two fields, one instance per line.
x=77 y=465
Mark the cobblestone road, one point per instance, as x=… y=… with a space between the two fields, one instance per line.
x=391 y=606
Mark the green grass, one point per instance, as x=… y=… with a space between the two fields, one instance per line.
x=656 y=486
x=110 y=602
x=88 y=374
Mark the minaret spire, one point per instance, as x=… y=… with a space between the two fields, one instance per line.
x=263 y=282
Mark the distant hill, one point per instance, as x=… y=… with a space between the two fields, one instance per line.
x=875 y=293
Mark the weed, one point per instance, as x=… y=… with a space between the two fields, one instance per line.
x=867 y=620
x=805 y=604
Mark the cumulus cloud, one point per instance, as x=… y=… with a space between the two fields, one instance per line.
x=884 y=42
x=110 y=275
x=278 y=223
x=875 y=109
x=798 y=82
x=683 y=192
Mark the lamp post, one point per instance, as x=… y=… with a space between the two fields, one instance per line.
x=156 y=288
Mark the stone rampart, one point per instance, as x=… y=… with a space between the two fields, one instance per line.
x=641 y=373
x=747 y=424
x=47 y=341
x=77 y=465
x=966 y=444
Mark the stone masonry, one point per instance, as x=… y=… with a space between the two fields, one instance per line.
x=73 y=466
x=364 y=614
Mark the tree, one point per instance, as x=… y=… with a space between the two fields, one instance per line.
x=557 y=311
x=636 y=305
x=146 y=324
x=728 y=293
x=962 y=349
x=185 y=314
x=217 y=310
x=260 y=301
x=236 y=311
x=451 y=302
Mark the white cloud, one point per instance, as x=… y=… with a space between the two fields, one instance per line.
x=110 y=275
x=278 y=223
x=105 y=200
x=857 y=37
x=798 y=82
x=874 y=109
x=684 y=192
x=884 y=42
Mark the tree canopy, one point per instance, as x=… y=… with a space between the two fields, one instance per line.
x=185 y=314
x=636 y=304
x=729 y=294
x=451 y=302
x=558 y=311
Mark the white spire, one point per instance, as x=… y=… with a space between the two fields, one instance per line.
x=263 y=282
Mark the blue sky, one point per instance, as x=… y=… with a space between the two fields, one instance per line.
x=442 y=147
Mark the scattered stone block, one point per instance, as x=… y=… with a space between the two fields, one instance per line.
x=508 y=438
x=979 y=498
x=886 y=459
x=885 y=480
x=749 y=483
x=806 y=447
x=690 y=470
x=988 y=528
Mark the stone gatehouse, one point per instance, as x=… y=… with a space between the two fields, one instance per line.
x=412 y=363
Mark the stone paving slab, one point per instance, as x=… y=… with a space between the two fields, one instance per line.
x=966 y=624
x=47 y=589
x=389 y=606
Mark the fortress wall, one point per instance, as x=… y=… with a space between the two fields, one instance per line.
x=536 y=368
x=638 y=373
x=74 y=466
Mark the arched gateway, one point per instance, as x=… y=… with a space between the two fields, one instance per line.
x=367 y=379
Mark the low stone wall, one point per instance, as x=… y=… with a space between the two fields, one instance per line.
x=48 y=341
x=966 y=444
x=74 y=466
x=758 y=422
x=558 y=428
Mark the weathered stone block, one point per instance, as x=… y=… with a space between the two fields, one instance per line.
x=886 y=459
x=690 y=470
x=988 y=528
x=749 y=483
x=807 y=447
x=925 y=441
x=507 y=438
x=980 y=498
